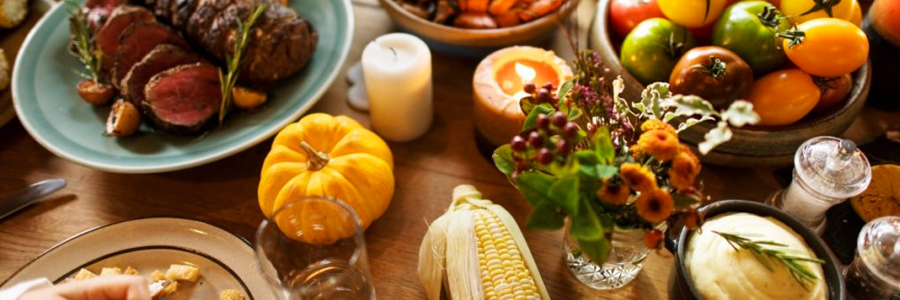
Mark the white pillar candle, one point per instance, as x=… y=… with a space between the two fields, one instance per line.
x=397 y=73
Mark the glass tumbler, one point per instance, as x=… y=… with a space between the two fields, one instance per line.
x=313 y=248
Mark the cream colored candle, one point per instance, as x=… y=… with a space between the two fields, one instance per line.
x=397 y=73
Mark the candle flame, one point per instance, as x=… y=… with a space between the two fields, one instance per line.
x=525 y=72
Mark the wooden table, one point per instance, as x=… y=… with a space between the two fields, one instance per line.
x=223 y=193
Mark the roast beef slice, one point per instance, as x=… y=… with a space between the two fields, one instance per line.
x=136 y=41
x=184 y=99
x=161 y=58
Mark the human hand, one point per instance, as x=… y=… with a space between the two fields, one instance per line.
x=120 y=287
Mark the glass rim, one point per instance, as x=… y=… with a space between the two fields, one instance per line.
x=357 y=235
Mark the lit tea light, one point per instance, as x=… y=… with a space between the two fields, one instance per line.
x=499 y=82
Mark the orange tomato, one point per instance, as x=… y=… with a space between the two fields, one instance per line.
x=884 y=19
x=830 y=48
x=783 y=97
x=856 y=14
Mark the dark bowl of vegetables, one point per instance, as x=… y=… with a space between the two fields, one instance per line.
x=805 y=79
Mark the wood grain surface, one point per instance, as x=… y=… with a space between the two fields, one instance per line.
x=223 y=193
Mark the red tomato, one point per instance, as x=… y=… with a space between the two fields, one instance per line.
x=834 y=91
x=626 y=14
x=884 y=18
x=703 y=34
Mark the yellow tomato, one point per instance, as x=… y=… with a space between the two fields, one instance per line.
x=856 y=14
x=692 y=13
x=797 y=9
x=783 y=97
x=829 y=48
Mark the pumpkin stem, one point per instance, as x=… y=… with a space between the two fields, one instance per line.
x=317 y=160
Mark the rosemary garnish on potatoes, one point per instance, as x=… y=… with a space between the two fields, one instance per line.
x=83 y=44
x=233 y=60
x=767 y=252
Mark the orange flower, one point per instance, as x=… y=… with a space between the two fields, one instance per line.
x=663 y=145
x=657 y=124
x=638 y=177
x=685 y=168
x=655 y=206
x=615 y=194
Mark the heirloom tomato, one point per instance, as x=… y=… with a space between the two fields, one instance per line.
x=746 y=30
x=713 y=73
x=834 y=91
x=883 y=15
x=783 y=97
x=827 y=47
x=804 y=10
x=626 y=14
x=651 y=50
x=692 y=13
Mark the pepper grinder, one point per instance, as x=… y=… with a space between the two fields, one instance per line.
x=827 y=171
x=875 y=272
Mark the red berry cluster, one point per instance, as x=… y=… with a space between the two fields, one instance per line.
x=542 y=95
x=553 y=137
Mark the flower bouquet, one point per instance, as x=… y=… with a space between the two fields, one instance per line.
x=611 y=171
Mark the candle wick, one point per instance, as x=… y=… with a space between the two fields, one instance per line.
x=395 y=52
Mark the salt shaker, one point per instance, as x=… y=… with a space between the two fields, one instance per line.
x=827 y=171
x=875 y=272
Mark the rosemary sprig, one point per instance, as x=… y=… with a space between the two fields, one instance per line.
x=83 y=43
x=767 y=252
x=233 y=61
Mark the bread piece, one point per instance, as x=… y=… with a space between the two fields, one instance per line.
x=12 y=12
x=157 y=276
x=84 y=274
x=131 y=271
x=111 y=271
x=231 y=294
x=183 y=273
x=170 y=288
x=4 y=70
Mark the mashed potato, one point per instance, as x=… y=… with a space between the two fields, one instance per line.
x=720 y=272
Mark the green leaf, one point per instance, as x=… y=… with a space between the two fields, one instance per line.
x=652 y=97
x=603 y=145
x=586 y=225
x=683 y=201
x=563 y=91
x=545 y=216
x=575 y=113
x=526 y=104
x=715 y=137
x=534 y=186
x=530 y=120
x=503 y=160
x=587 y=157
x=693 y=121
x=740 y=113
x=597 y=250
x=688 y=106
x=606 y=171
x=564 y=193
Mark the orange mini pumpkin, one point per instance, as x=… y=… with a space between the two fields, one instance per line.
x=322 y=155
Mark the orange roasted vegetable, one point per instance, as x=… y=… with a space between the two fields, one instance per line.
x=322 y=155
x=477 y=6
x=500 y=6
x=474 y=21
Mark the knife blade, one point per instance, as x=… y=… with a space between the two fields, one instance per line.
x=30 y=195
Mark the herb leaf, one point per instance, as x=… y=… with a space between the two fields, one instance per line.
x=768 y=252
x=228 y=79
x=545 y=216
x=503 y=159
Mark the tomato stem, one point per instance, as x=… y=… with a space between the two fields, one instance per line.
x=825 y=5
x=769 y=17
x=826 y=83
x=794 y=35
x=716 y=67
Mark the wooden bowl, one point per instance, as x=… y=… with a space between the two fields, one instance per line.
x=478 y=42
x=750 y=145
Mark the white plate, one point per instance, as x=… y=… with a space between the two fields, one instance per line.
x=226 y=261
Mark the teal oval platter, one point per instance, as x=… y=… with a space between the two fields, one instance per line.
x=44 y=96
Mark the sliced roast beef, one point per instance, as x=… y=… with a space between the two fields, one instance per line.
x=183 y=99
x=99 y=10
x=281 y=43
x=107 y=39
x=136 y=41
x=161 y=58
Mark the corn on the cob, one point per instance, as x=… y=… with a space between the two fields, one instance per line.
x=476 y=251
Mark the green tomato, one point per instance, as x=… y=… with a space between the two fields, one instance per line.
x=745 y=30
x=652 y=49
